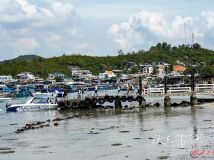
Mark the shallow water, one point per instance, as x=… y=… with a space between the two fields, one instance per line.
x=152 y=133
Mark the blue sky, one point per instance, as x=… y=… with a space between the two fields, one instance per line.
x=100 y=27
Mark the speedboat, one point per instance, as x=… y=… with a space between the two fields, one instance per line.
x=34 y=104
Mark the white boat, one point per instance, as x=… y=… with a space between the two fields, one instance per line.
x=34 y=104
x=43 y=92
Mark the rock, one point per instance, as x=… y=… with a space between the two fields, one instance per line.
x=57 y=119
x=56 y=124
x=116 y=144
x=6 y=152
x=91 y=132
x=21 y=130
x=157 y=104
x=124 y=131
x=175 y=104
x=163 y=157
x=13 y=124
x=207 y=120
x=69 y=118
x=39 y=122
x=5 y=148
x=147 y=130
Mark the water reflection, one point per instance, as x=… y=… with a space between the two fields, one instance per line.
x=168 y=111
x=194 y=121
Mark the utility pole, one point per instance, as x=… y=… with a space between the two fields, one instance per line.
x=185 y=33
x=193 y=39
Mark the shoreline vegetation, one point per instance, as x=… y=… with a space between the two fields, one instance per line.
x=190 y=55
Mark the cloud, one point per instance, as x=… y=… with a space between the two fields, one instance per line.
x=209 y=16
x=33 y=26
x=146 y=27
x=24 y=45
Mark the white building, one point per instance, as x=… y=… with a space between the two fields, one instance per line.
x=55 y=75
x=82 y=74
x=6 y=78
x=146 y=69
x=26 y=76
x=107 y=75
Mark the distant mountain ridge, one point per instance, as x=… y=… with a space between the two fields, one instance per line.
x=162 y=52
x=26 y=58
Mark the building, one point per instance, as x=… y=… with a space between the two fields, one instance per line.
x=78 y=73
x=146 y=69
x=162 y=67
x=55 y=75
x=107 y=75
x=74 y=69
x=26 y=76
x=179 y=68
x=131 y=64
x=6 y=78
x=82 y=74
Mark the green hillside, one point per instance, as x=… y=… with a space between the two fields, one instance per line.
x=161 y=52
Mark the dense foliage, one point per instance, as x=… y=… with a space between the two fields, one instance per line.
x=162 y=52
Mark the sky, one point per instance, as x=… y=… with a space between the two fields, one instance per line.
x=101 y=27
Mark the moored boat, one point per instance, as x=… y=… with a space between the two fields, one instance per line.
x=34 y=104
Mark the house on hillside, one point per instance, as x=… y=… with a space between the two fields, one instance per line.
x=146 y=69
x=26 y=77
x=107 y=75
x=55 y=75
x=6 y=78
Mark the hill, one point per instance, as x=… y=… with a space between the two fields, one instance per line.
x=26 y=58
x=162 y=52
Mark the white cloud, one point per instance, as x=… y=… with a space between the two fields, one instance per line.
x=76 y=33
x=53 y=39
x=25 y=45
x=31 y=26
x=209 y=16
x=144 y=27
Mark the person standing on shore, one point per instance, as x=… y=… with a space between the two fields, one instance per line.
x=96 y=90
x=79 y=94
x=118 y=89
x=65 y=94
x=82 y=92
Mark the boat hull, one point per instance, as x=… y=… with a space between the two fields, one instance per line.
x=36 y=107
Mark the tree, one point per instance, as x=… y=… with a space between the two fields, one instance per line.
x=120 y=52
x=196 y=46
x=134 y=70
x=59 y=79
x=207 y=72
x=155 y=71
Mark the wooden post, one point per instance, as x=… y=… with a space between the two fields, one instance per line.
x=165 y=84
x=167 y=101
x=192 y=81
x=140 y=85
x=193 y=99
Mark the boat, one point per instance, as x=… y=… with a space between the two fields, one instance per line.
x=34 y=104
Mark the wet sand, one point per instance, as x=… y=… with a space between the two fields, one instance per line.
x=152 y=133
